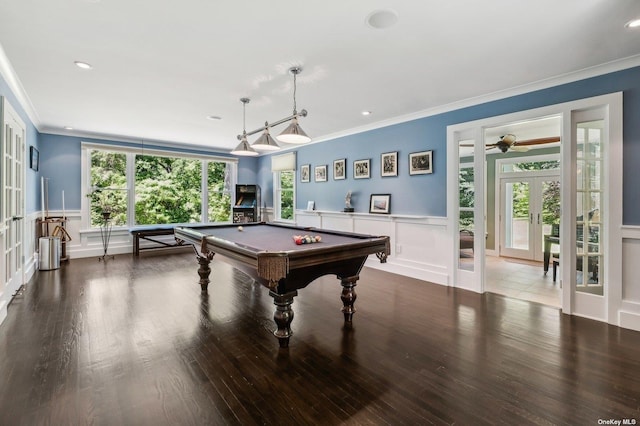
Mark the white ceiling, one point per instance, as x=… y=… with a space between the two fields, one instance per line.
x=161 y=67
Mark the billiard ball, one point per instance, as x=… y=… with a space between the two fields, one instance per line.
x=240 y=228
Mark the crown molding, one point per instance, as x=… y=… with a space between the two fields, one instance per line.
x=597 y=70
x=9 y=75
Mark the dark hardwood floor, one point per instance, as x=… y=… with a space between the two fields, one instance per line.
x=132 y=341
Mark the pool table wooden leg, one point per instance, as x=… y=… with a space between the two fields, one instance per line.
x=348 y=296
x=283 y=316
x=204 y=260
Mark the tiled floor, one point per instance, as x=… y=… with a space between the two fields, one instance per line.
x=521 y=279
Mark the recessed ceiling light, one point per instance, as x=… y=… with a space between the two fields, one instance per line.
x=83 y=65
x=381 y=19
x=635 y=23
x=214 y=117
x=366 y=112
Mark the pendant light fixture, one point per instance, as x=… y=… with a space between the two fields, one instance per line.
x=294 y=133
x=265 y=142
x=243 y=147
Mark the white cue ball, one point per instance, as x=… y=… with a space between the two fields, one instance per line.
x=240 y=228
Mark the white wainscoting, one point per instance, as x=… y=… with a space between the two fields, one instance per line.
x=88 y=242
x=629 y=312
x=420 y=245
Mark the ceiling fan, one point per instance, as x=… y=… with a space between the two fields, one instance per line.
x=508 y=142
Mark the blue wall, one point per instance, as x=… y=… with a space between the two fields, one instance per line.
x=426 y=194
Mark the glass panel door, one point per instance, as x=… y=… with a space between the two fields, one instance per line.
x=589 y=208
x=466 y=191
x=530 y=216
x=518 y=219
x=13 y=154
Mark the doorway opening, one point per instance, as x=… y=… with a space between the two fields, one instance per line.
x=523 y=209
x=588 y=274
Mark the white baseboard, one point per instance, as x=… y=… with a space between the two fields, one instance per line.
x=630 y=320
x=434 y=275
x=3 y=311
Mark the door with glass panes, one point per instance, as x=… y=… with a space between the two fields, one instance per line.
x=530 y=210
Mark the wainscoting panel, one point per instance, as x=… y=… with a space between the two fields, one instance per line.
x=419 y=244
x=629 y=313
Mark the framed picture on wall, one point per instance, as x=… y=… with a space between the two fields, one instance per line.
x=362 y=169
x=389 y=164
x=420 y=163
x=380 y=203
x=321 y=173
x=340 y=169
x=34 y=158
x=304 y=173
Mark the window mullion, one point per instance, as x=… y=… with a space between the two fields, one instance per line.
x=131 y=189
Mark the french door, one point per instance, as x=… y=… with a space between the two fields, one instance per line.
x=13 y=201
x=529 y=208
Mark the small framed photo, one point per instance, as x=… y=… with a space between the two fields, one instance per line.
x=311 y=205
x=389 y=164
x=340 y=169
x=362 y=169
x=321 y=173
x=34 y=158
x=420 y=163
x=304 y=173
x=380 y=203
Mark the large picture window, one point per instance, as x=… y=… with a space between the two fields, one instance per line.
x=156 y=187
x=168 y=190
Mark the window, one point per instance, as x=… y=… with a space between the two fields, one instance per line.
x=155 y=187
x=109 y=193
x=284 y=186
x=220 y=187
x=168 y=190
x=526 y=166
x=284 y=195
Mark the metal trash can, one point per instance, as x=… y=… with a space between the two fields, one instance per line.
x=49 y=257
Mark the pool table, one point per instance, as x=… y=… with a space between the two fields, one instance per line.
x=267 y=252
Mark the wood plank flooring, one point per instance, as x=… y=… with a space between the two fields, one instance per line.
x=132 y=341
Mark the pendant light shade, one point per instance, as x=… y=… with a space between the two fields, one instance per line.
x=265 y=142
x=294 y=133
x=243 y=147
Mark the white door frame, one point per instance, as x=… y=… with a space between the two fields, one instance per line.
x=603 y=308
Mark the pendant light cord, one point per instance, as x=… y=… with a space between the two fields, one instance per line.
x=295 y=73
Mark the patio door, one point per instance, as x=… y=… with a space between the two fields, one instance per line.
x=12 y=147
x=529 y=208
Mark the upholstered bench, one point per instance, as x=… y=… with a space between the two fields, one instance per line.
x=155 y=236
